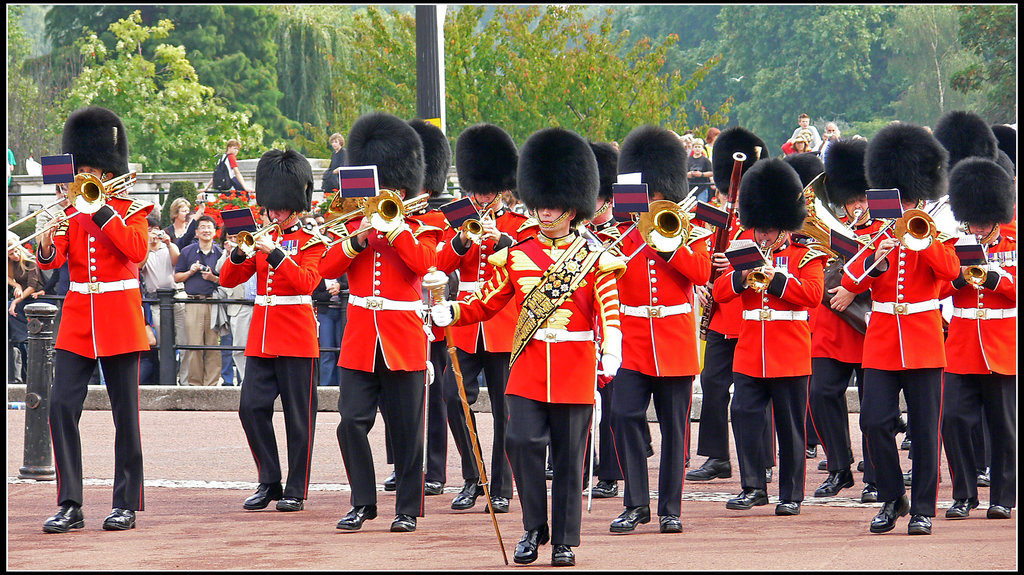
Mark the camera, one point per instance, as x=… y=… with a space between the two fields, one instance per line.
x=204 y=268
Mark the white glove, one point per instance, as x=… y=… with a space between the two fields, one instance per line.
x=442 y=314
x=610 y=364
x=611 y=359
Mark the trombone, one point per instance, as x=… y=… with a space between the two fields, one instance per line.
x=915 y=229
x=385 y=211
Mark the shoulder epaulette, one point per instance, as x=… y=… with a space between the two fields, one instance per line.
x=699 y=233
x=135 y=206
x=425 y=228
x=528 y=223
x=811 y=255
x=944 y=237
x=499 y=258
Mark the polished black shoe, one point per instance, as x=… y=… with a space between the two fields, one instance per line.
x=788 y=508
x=499 y=503
x=920 y=525
x=905 y=445
x=526 y=549
x=984 y=479
x=811 y=452
x=68 y=517
x=630 y=518
x=836 y=481
x=769 y=474
x=289 y=504
x=433 y=488
x=466 y=498
x=265 y=493
x=749 y=498
x=823 y=465
x=998 y=512
x=961 y=508
x=605 y=489
x=890 y=512
x=870 y=494
x=354 y=519
x=670 y=524
x=908 y=477
x=119 y=520
x=562 y=556
x=403 y=523
x=860 y=466
x=391 y=483
x=711 y=469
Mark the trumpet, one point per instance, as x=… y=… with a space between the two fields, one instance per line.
x=247 y=240
x=758 y=279
x=976 y=275
x=473 y=228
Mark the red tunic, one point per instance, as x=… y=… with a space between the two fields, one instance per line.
x=434 y=218
x=727 y=319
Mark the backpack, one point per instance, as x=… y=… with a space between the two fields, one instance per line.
x=222 y=175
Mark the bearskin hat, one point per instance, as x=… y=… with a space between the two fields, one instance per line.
x=660 y=157
x=383 y=140
x=96 y=137
x=1007 y=164
x=731 y=140
x=1007 y=138
x=807 y=165
x=486 y=159
x=607 y=167
x=964 y=134
x=980 y=191
x=284 y=181
x=437 y=155
x=844 y=171
x=909 y=158
x=557 y=169
x=771 y=196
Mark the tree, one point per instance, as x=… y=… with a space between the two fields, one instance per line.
x=25 y=115
x=991 y=32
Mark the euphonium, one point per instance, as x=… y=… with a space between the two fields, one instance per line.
x=247 y=240
x=976 y=275
x=821 y=221
x=665 y=227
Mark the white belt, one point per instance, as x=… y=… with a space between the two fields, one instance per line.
x=103 y=287
x=774 y=315
x=382 y=304
x=653 y=311
x=274 y=299
x=904 y=308
x=560 y=335
x=983 y=313
x=469 y=286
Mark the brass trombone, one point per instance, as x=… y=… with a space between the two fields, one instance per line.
x=88 y=193
x=665 y=227
x=385 y=211
x=915 y=229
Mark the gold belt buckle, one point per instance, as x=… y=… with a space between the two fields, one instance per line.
x=981 y=313
x=765 y=314
x=550 y=336
x=94 y=287
x=374 y=303
x=270 y=299
x=900 y=309
x=654 y=311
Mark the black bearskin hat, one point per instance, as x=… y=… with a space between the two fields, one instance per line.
x=284 y=181
x=437 y=155
x=384 y=140
x=607 y=167
x=909 y=158
x=660 y=157
x=96 y=137
x=964 y=134
x=731 y=140
x=558 y=170
x=486 y=159
x=807 y=165
x=844 y=171
x=1007 y=164
x=981 y=192
x=771 y=197
x=1007 y=138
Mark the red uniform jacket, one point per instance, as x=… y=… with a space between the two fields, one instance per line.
x=727 y=319
x=434 y=218
x=986 y=344
x=559 y=371
x=290 y=270
x=387 y=273
x=777 y=347
x=106 y=321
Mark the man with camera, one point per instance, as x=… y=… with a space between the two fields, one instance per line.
x=195 y=269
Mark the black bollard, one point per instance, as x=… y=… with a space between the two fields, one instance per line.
x=168 y=373
x=38 y=451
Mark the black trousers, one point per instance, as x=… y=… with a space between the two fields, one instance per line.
x=788 y=399
x=67 y=396
x=532 y=425
x=495 y=367
x=295 y=379
x=965 y=398
x=880 y=410
x=632 y=394
x=608 y=467
x=437 y=416
x=403 y=394
x=869 y=468
x=829 y=416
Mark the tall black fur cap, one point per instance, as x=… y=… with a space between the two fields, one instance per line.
x=807 y=165
x=437 y=155
x=486 y=159
x=284 y=181
x=558 y=170
x=607 y=167
x=981 y=192
x=660 y=157
x=844 y=171
x=964 y=134
x=771 y=196
x=96 y=137
x=386 y=141
x=1007 y=164
x=1007 y=138
x=909 y=158
x=733 y=139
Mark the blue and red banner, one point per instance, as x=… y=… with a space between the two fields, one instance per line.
x=58 y=169
x=745 y=258
x=459 y=211
x=358 y=181
x=970 y=253
x=630 y=198
x=709 y=214
x=238 y=220
x=846 y=247
x=885 y=204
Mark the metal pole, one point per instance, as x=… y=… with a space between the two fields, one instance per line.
x=38 y=462
x=168 y=371
x=430 y=63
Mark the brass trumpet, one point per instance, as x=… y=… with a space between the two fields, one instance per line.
x=758 y=280
x=976 y=275
x=247 y=240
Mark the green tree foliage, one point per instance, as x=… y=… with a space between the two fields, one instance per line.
x=991 y=32
x=25 y=115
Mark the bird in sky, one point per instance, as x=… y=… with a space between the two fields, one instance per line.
x=736 y=79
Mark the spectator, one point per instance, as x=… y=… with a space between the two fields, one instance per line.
x=831 y=136
x=331 y=298
x=231 y=150
x=157 y=272
x=239 y=314
x=149 y=361
x=180 y=210
x=11 y=162
x=23 y=282
x=798 y=144
x=195 y=269
x=805 y=124
x=331 y=180
x=709 y=141
x=699 y=171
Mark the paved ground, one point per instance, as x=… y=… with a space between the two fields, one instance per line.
x=199 y=470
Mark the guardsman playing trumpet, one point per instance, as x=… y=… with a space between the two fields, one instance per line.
x=283 y=351
x=981 y=368
x=103 y=242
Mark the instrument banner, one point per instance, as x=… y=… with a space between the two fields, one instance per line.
x=358 y=181
x=885 y=204
x=970 y=253
x=745 y=258
x=459 y=211
x=630 y=198
x=845 y=246
x=711 y=215
x=58 y=169
x=238 y=220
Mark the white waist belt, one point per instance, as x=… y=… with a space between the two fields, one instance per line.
x=774 y=315
x=560 y=335
x=469 y=286
x=904 y=308
x=653 y=311
x=103 y=287
x=983 y=313
x=274 y=299
x=384 y=304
